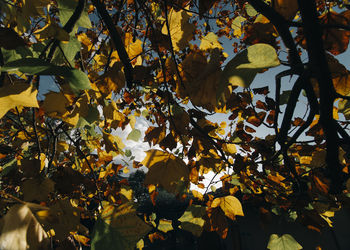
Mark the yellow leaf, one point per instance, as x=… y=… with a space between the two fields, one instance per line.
x=210 y=41
x=132 y=48
x=181 y=31
x=237 y=26
x=17 y=95
x=82 y=239
x=126 y=170
x=229 y=148
x=112 y=142
x=21 y=230
x=230 y=205
x=197 y=195
x=166 y=170
x=140 y=244
x=165 y=225
x=127 y=192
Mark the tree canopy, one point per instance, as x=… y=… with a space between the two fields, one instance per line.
x=77 y=74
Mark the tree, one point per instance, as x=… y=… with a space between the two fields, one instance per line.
x=109 y=64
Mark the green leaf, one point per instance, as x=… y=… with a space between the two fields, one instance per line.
x=285 y=242
x=250 y=10
x=66 y=9
x=284 y=97
x=128 y=153
x=118 y=228
x=134 y=135
x=77 y=79
x=243 y=68
x=67 y=52
x=8 y=167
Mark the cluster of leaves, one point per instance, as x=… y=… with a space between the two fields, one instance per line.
x=113 y=63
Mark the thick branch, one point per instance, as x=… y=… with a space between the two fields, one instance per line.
x=117 y=41
x=319 y=67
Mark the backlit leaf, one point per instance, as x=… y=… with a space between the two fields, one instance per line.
x=166 y=170
x=210 y=41
x=242 y=69
x=17 y=95
x=284 y=242
x=180 y=28
x=21 y=230
x=192 y=219
x=77 y=79
x=165 y=226
x=134 y=135
x=118 y=228
x=66 y=9
x=230 y=205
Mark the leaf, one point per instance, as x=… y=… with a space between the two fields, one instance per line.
x=165 y=225
x=200 y=78
x=344 y=108
x=133 y=48
x=210 y=41
x=17 y=95
x=20 y=230
x=166 y=170
x=229 y=148
x=192 y=219
x=230 y=205
x=66 y=9
x=62 y=217
x=287 y=8
x=237 y=26
x=250 y=10
x=77 y=79
x=37 y=189
x=242 y=69
x=51 y=30
x=112 y=80
x=67 y=52
x=10 y=39
x=284 y=242
x=180 y=28
x=134 y=135
x=118 y=228
x=112 y=142
x=335 y=40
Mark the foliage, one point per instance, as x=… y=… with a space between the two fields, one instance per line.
x=76 y=75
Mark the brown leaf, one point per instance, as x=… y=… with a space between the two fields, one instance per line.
x=216 y=220
x=256 y=120
x=154 y=135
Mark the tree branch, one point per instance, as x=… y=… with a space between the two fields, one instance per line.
x=117 y=41
x=319 y=67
